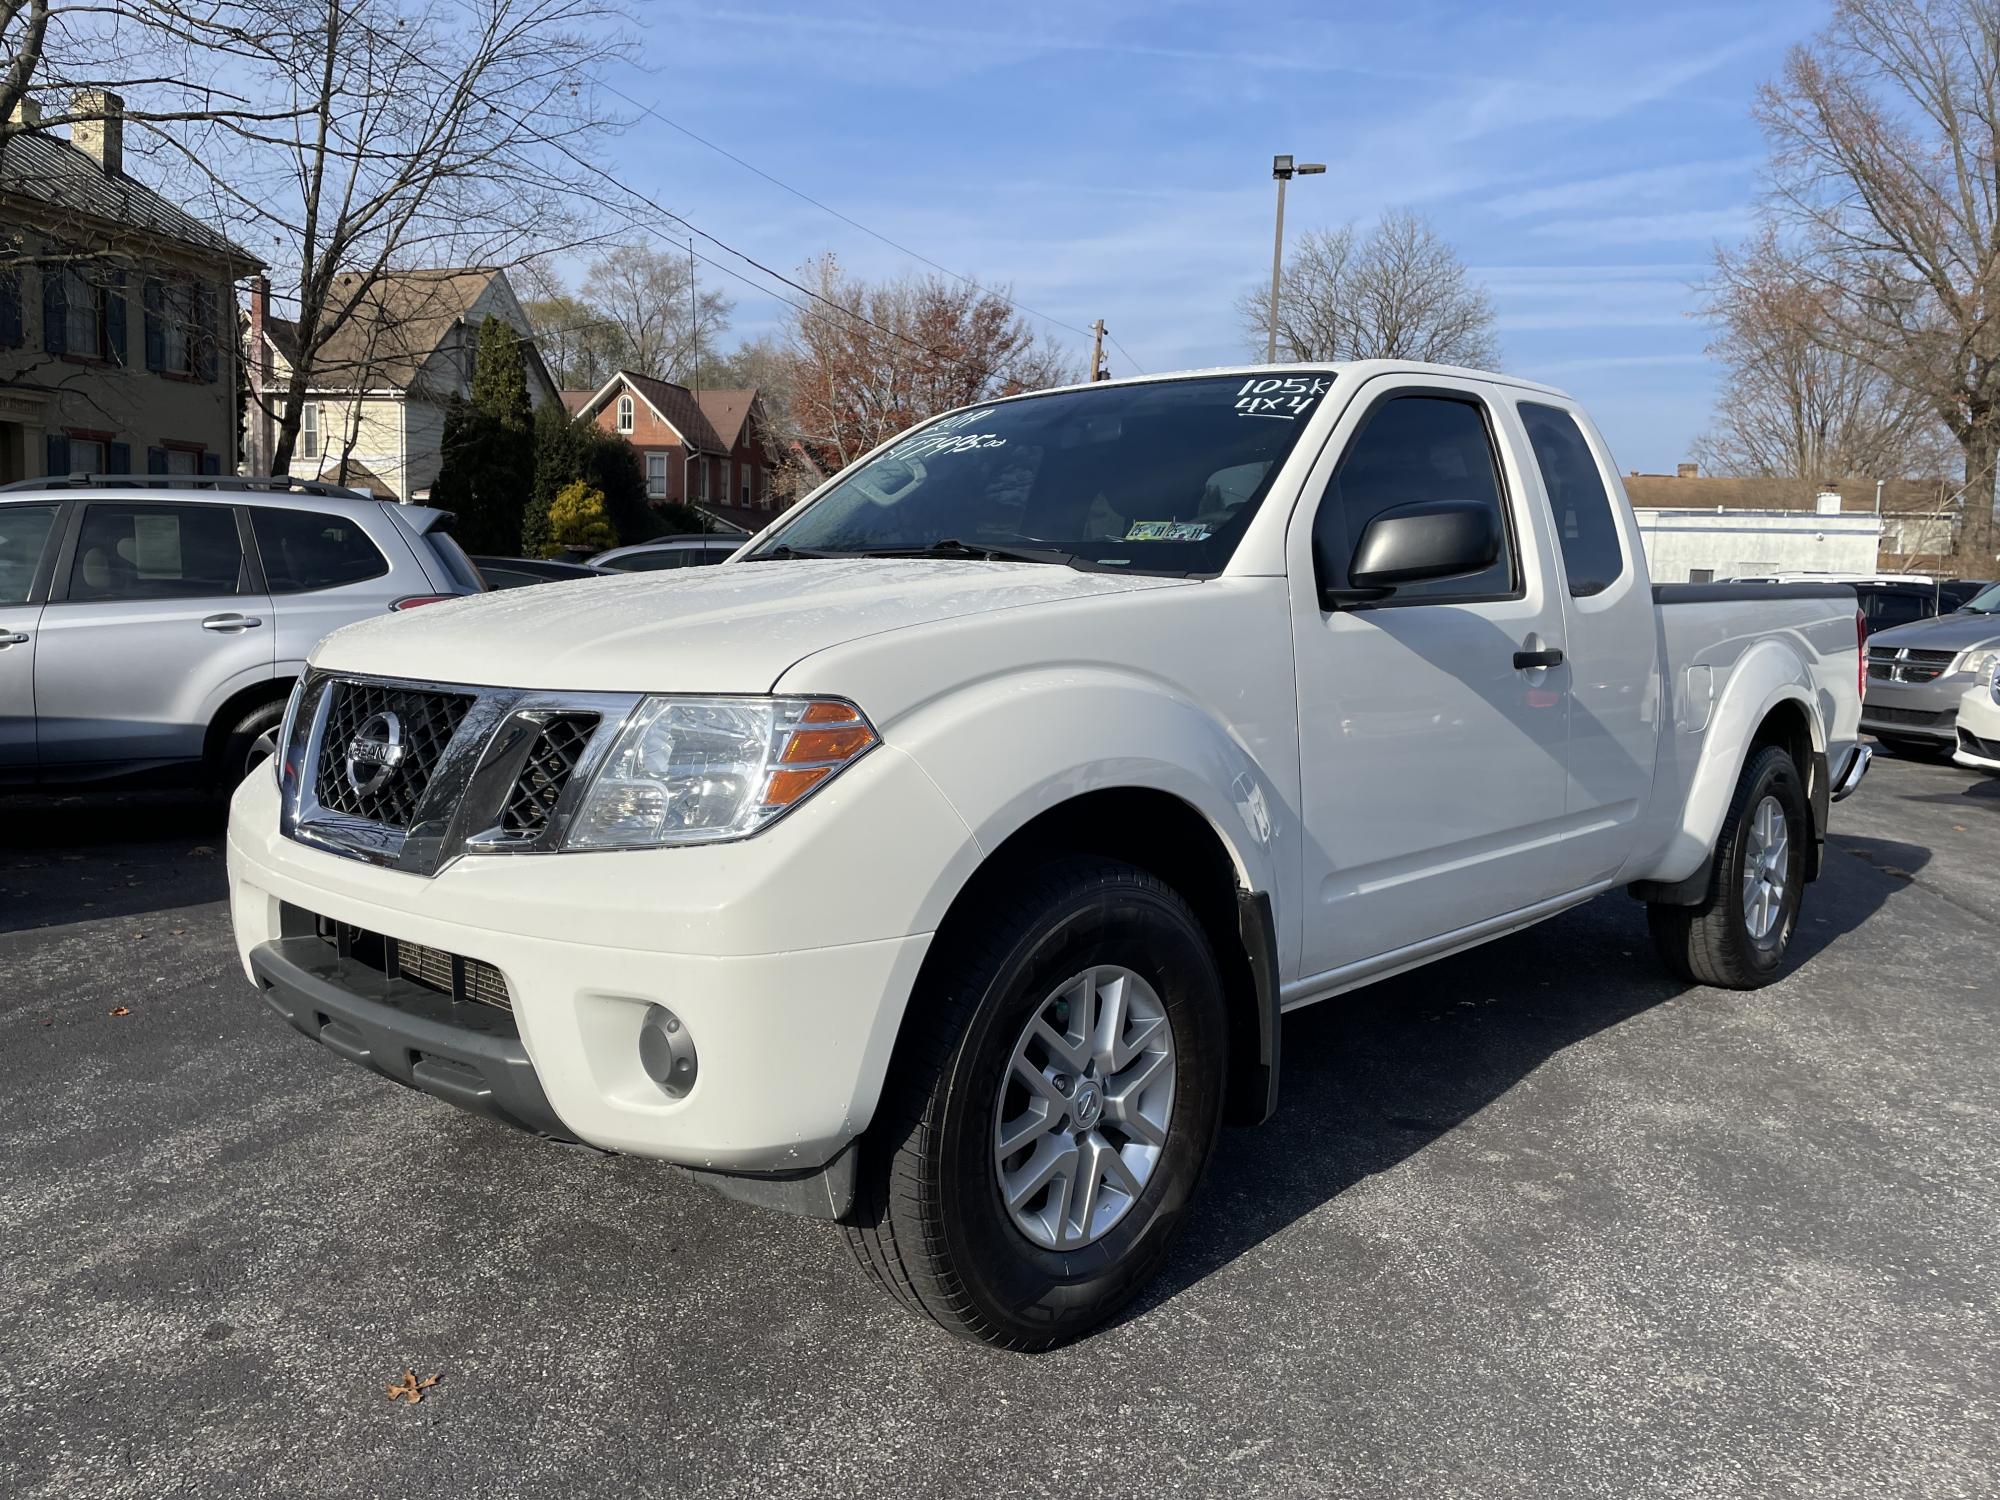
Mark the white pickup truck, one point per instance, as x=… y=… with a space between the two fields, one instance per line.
x=943 y=863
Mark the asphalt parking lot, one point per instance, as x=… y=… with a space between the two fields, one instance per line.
x=1534 y=1221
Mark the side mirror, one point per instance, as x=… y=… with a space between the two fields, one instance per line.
x=1415 y=543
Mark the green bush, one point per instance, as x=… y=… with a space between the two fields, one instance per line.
x=577 y=521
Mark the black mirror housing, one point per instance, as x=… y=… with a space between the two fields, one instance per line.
x=1416 y=543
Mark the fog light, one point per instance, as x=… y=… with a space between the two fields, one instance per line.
x=666 y=1052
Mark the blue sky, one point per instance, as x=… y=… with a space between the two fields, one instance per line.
x=1112 y=158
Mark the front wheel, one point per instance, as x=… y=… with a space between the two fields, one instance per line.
x=1736 y=939
x=1052 y=1107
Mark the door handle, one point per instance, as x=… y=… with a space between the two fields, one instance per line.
x=13 y=638
x=230 y=624
x=1525 y=660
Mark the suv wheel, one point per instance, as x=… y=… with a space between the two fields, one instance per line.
x=252 y=741
x=1736 y=939
x=1053 y=1104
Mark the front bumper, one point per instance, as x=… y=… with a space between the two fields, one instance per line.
x=1979 y=731
x=793 y=1038
x=1915 y=710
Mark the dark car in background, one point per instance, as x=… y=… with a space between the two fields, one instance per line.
x=670 y=552
x=519 y=572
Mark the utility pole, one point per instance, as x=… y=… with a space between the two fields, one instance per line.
x=1097 y=370
x=694 y=320
x=1282 y=168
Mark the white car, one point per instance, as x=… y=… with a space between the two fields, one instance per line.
x=943 y=864
x=1979 y=724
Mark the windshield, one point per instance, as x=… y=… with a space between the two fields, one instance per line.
x=1985 y=602
x=1155 y=478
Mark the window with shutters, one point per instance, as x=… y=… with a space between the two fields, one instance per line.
x=180 y=327
x=83 y=312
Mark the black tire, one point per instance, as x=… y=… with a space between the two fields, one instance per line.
x=929 y=1223
x=1711 y=943
x=1913 y=749
x=248 y=744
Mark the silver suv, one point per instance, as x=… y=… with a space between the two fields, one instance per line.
x=1917 y=674
x=153 y=625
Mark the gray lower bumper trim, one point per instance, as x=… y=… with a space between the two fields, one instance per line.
x=409 y=1033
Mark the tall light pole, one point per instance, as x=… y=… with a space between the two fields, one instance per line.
x=1284 y=169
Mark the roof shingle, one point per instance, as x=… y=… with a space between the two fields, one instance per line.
x=51 y=171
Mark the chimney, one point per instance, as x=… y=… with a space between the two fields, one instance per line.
x=27 y=113
x=1827 y=502
x=102 y=136
x=1686 y=471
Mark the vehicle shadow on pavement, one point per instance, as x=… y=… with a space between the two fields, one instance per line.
x=81 y=858
x=1373 y=1076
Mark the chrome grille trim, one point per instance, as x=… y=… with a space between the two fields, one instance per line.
x=462 y=805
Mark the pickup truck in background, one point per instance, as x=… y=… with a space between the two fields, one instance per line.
x=942 y=864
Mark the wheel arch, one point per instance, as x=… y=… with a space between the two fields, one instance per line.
x=1167 y=836
x=236 y=705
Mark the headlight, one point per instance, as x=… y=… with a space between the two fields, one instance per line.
x=1979 y=661
x=699 y=770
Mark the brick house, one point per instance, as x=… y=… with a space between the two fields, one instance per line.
x=117 y=322
x=713 y=450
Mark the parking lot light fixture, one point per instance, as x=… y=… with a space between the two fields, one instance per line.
x=1284 y=168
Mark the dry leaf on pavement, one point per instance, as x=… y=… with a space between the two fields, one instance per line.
x=121 y=1010
x=410 y=1388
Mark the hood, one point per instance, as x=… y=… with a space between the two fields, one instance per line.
x=1945 y=633
x=732 y=628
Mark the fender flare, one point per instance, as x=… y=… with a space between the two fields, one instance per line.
x=1769 y=674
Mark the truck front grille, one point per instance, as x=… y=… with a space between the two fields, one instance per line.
x=550 y=764
x=422 y=723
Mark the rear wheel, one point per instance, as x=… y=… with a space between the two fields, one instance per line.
x=1737 y=937
x=1053 y=1104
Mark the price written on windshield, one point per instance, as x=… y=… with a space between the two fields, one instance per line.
x=1286 y=397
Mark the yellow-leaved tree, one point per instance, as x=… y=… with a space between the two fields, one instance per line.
x=577 y=519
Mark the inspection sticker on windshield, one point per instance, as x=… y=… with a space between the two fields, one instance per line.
x=1287 y=397
x=1168 y=531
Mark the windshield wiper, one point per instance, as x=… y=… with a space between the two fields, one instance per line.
x=951 y=546
x=784 y=552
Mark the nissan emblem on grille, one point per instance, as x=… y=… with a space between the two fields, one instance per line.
x=375 y=752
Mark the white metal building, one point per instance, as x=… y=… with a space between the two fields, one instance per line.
x=1685 y=546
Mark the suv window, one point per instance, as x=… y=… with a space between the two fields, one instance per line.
x=24 y=531
x=157 y=552
x=1412 y=449
x=1589 y=532
x=1886 y=607
x=304 y=549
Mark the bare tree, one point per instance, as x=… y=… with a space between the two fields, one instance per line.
x=429 y=133
x=1794 y=404
x=1400 y=293
x=866 y=361
x=663 y=320
x=1885 y=130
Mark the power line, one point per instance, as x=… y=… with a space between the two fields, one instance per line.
x=826 y=208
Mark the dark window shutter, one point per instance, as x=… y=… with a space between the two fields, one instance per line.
x=58 y=454
x=10 y=308
x=156 y=331
x=118 y=458
x=211 y=463
x=204 y=330
x=114 y=318
x=156 y=460
x=55 y=312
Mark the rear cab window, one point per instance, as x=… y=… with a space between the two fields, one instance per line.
x=1592 y=558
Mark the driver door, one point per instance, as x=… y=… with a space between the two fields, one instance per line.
x=1432 y=766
